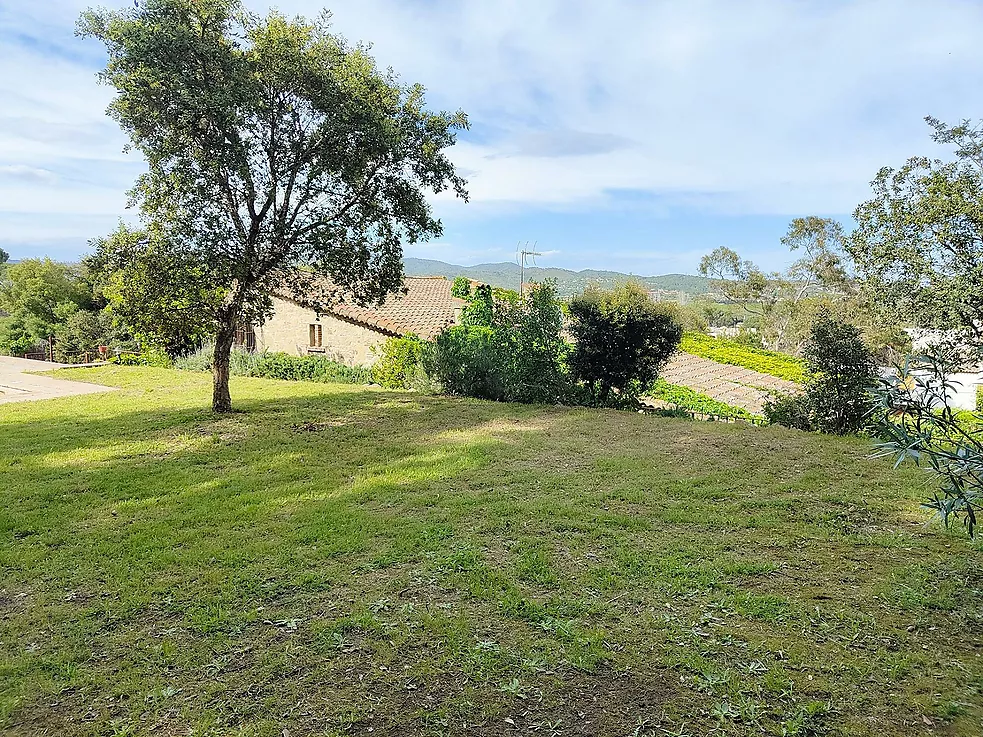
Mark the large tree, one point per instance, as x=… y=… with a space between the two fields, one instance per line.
x=918 y=244
x=276 y=153
x=783 y=304
x=38 y=296
x=3 y=257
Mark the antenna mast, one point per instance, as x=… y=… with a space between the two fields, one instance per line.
x=522 y=253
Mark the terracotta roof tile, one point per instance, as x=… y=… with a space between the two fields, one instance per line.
x=425 y=309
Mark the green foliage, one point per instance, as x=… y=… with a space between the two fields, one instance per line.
x=621 y=341
x=44 y=288
x=468 y=361
x=22 y=332
x=400 y=363
x=308 y=368
x=271 y=144
x=162 y=294
x=480 y=309
x=46 y=299
x=535 y=350
x=151 y=357
x=736 y=353
x=461 y=287
x=278 y=366
x=979 y=398
x=841 y=372
x=84 y=331
x=686 y=399
x=918 y=247
x=693 y=318
x=789 y=410
x=507 y=348
x=4 y=257
x=917 y=423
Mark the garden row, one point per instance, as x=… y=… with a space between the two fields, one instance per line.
x=734 y=353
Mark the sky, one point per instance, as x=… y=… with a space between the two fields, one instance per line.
x=633 y=135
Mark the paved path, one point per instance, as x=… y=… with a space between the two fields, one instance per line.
x=18 y=386
x=738 y=387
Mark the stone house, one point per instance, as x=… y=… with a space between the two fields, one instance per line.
x=348 y=333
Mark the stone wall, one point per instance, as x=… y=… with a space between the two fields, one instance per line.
x=288 y=331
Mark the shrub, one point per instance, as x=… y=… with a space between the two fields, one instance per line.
x=467 y=361
x=917 y=423
x=790 y=410
x=200 y=359
x=741 y=354
x=535 y=352
x=278 y=366
x=308 y=368
x=149 y=357
x=841 y=372
x=622 y=340
x=400 y=363
x=508 y=348
x=461 y=287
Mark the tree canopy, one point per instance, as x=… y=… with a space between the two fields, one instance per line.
x=44 y=299
x=276 y=153
x=918 y=244
x=782 y=306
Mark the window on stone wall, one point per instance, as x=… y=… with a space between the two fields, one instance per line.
x=245 y=338
x=316 y=335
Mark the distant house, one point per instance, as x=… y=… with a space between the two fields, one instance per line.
x=346 y=332
x=966 y=384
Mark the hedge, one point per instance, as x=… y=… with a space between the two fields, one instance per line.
x=279 y=366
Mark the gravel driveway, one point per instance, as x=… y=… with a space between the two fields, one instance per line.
x=18 y=386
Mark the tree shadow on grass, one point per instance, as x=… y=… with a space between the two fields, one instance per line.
x=354 y=558
x=121 y=528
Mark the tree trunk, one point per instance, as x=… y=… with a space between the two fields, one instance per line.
x=221 y=399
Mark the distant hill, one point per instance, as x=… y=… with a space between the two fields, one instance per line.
x=506 y=274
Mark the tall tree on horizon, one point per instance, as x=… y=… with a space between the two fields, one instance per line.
x=276 y=153
x=776 y=299
x=918 y=244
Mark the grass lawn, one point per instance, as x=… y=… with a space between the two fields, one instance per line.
x=336 y=559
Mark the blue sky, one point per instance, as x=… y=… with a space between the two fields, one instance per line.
x=629 y=135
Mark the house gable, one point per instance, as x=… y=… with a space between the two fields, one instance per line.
x=348 y=333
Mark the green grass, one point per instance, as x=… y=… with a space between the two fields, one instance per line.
x=337 y=558
x=737 y=354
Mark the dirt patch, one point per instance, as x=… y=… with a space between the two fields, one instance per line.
x=600 y=703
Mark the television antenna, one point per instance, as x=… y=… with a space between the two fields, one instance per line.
x=523 y=255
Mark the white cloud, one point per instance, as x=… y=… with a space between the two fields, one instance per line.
x=23 y=173
x=763 y=107
x=759 y=107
